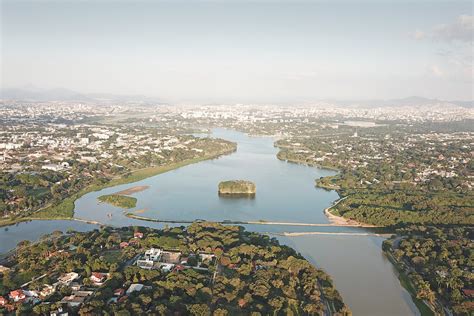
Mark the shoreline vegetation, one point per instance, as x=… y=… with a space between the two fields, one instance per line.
x=305 y=163
x=432 y=262
x=419 y=288
x=342 y=221
x=323 y=184
x=404 y=187
x=326 y=184
x=65 y=210
x=423 y=307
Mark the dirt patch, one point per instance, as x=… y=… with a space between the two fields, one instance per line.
x=133 y=190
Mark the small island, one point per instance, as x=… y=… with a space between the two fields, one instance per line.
x=237 y=187
x=119 y=200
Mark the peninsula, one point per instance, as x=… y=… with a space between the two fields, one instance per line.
x=237 y=187
x=203 y=269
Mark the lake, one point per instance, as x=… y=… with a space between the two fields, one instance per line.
x=285 y=193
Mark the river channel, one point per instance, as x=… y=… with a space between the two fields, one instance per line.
x=285 y=193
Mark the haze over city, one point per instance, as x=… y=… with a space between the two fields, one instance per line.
x=231 y=51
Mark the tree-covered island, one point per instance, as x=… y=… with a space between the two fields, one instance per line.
x=237 y=187
x=203 y=269
x=118 y=200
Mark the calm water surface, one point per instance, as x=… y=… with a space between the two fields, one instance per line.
x=285 y=192
x=364 y=277
x=32 y=230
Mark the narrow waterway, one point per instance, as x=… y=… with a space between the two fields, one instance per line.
x=285 y=193
x=10 y=236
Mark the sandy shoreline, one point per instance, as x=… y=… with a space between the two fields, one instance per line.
x=133 y=190
x=341 y=221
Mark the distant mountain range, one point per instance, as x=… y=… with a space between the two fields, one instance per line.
x=61 y=94
x=410 y=101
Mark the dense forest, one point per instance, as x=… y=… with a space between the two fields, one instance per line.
x=439 y=262
x=390 y=176
x=252 y=274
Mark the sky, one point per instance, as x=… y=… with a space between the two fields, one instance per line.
x=241 y=51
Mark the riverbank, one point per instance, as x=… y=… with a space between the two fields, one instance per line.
x=29 y=219
x=331 y=183
x=341 y=221
x=230 y=222
x=405 y=282
x=309 y=164
x=335 y=219
x=65 y=209
x=294 y=199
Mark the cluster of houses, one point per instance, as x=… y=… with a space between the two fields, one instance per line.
x=81 y=289
x=167 y=261
x=469 y=295
x=79 y=292
x=70 y=280
x=25 y=147
x=132 y=242
x=159 y=259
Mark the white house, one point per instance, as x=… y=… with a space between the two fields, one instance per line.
x=145 y=264
x=134 y=287
x=68 y=277
x=153 y=254
x=53 y=167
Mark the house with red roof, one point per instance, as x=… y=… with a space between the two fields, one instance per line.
x=98 y=278
x=178 y=268
x=3 y=301
x=133 y=242
x=17 y=295
x=468 y=292
x=242 y=303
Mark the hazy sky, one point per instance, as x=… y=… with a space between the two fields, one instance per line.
x=241 y=51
